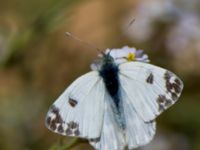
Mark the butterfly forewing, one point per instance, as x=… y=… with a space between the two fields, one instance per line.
x=149 y=89
x=79 y=110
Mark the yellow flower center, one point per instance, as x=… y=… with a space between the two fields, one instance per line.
x=131 y=57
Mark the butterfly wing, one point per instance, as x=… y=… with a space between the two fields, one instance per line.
x=79 y=110
x=112 y=137
x=147 y=91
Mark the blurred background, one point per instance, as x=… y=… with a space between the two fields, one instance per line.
x=37 y=62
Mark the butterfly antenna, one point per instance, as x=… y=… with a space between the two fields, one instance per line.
x=126 y=28
x=131 y=22
x=81 y=41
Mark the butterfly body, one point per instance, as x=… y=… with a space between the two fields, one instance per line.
x=109 y=72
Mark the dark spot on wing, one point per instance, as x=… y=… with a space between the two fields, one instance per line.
x=176 y=87
x=177 y=81
x=163 y=102
x=72 y=128
x=161 y=99
x=60 y=129
x=173 y=85
x=161 y=108
x=72 y=125
x=169 y=86
x=69 y=131
x=151 y=121
x=58 y=118
x=54 y=118
x=150 y=79
x=77 y=132
x=168 y=103
x=53 y=125
x=167 y=75
x=72 y=102
x=174 y=96
x=95 y=140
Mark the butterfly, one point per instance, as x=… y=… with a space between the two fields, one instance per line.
x=115 y=105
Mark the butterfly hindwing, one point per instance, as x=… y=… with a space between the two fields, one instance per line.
x=150 y=89
x=79 y=110
x=112 y=137
x=137 y=131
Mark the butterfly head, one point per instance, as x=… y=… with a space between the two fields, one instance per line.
x=104 y=59
x=107 y=58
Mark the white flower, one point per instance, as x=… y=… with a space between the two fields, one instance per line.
x=122 y=55
x=126 y=54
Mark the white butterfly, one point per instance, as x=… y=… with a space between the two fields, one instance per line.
x=116 y=104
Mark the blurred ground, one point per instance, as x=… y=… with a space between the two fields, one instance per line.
x=38 y=62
